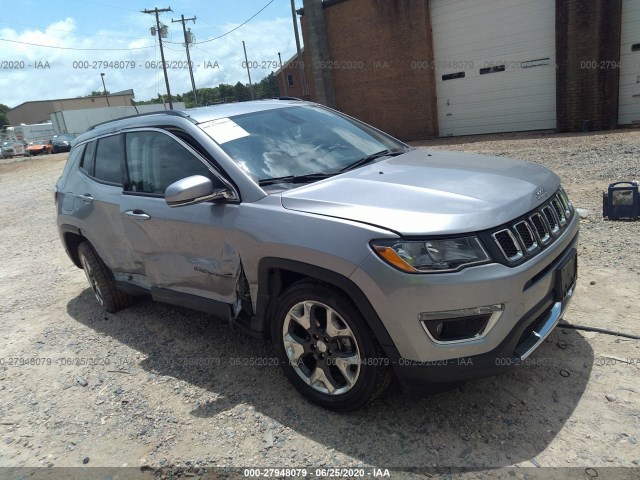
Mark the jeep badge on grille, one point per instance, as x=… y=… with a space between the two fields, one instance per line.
x=541 y=194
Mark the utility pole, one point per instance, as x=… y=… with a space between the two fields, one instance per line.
x=246 y=62
x=187 y=41
x=164 y=65
x=284 y=83
x=104 y=90
x=300 y=60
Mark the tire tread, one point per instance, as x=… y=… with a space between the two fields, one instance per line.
x=114 y=299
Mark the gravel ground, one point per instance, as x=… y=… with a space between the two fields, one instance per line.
x=156 y=387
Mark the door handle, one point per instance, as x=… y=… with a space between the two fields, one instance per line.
x=137 y=214
x=85 y=198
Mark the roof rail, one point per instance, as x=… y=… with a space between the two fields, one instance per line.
x=177 y=113
x=290 y=98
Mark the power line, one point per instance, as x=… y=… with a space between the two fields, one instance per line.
x=136 y=48
x=103 y=5
x=67 y=31
x=76 y=49
x=233 y=29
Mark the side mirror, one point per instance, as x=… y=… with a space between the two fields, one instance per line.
x=195 y=189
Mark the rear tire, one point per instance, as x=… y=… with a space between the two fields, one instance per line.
x=326 y=348
x=101 y=280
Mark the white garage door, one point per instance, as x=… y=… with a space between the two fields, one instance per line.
x=629 y=111
x=494 y=65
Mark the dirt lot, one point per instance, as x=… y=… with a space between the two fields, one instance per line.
x=159 y=386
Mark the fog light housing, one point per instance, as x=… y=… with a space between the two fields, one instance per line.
x=465 y=325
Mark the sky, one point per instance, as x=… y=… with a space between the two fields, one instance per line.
x=113 y=37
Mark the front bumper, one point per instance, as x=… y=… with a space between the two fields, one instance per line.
x=528 y=334
x=400 y=298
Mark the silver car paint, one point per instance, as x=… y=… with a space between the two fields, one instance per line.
x=429 y=193
x=399 y=300
x=330 y=224
x=101 y=220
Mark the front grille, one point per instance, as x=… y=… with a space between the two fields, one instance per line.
x=526 y=237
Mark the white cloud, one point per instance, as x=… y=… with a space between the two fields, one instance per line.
x=73 y=73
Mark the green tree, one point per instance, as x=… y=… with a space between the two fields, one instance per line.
x=223 y=93
x=241 y=92
x=226 y=92
x=267 y=87
x=3 y=115
x=97 y=93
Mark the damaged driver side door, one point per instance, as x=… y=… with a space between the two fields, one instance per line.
x=184 y=255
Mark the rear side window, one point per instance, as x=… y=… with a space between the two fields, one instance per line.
x=108 y=158
x=75 y=154
x=155 y=161
x=88 y=158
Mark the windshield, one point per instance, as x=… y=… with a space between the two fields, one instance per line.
x=297 y=141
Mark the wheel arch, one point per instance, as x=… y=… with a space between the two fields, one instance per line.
x=275 y=275
x=71 y=238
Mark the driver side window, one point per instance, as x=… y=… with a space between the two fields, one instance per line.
x=155 y=161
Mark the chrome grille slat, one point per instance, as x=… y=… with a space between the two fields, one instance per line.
x=566 y=203
x=526 y=237
x=559 y=208
x=542 y=228
x=508 y=245
x=552 y=219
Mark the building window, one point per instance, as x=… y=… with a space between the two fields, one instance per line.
x=497 y=68
x=540 y=62
x=290 y=80
x=452 y=76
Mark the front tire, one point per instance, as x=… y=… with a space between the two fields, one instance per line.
x=326 y=349
x=101 y=280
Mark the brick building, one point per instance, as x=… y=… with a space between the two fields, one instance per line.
x=294 y=80
x=428 y=68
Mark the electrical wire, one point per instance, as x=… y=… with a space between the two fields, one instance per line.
x=68 y=31
x=101 y=4
x=234 y=29
x=138 y=48
x=75 y=49
x=598 y=330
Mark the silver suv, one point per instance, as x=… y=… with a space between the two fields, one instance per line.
x=359 y=257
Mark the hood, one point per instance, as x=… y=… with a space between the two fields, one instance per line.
x=430 y=192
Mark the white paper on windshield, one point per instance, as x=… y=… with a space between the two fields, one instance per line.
x=223 y=130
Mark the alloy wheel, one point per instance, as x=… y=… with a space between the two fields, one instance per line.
x=92 y=281
x=321 y=347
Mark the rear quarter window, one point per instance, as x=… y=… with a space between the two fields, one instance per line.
x=71 y=161
x=88 y=158
x=109 y=153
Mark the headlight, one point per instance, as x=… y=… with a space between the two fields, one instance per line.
x=431 y=256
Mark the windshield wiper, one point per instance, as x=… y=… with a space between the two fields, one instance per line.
x=310 y=177
x=371 y=158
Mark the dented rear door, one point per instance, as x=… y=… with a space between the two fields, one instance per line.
x=185 y=249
